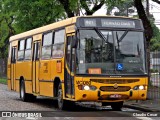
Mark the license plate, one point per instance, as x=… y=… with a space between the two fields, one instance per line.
x=115 y=96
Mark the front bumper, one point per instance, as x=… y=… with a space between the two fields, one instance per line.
x=87 y=95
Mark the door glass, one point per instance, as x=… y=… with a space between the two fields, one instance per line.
x=37 y=52
x=13 y=56
x=68 y=56
x=34 y=52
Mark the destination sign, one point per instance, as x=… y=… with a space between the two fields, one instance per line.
x=117 y=23
x=90 y=22
x=109 y=22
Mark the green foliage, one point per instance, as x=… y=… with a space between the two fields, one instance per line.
x=17 y=16
x=155 y=41
x=3 y=81
x=33 y=13
x=153 y=70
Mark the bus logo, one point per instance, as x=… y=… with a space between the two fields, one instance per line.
x=115 y=86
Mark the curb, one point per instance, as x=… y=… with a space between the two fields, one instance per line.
x=141 y=108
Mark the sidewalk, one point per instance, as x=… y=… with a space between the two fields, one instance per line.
x=152 y=104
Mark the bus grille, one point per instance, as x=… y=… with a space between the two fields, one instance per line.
x=113 y=81
x=112 y=89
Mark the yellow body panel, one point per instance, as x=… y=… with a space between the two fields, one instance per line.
x=46 y=89
x=45 y=70
x=28 y=85
x=9 y=84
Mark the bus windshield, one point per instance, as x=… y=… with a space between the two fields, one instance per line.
x=110 y=52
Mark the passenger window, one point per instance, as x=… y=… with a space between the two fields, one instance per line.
x=58 y=47
x=47 y=39
x=21 y=50
x=57 y=51
x=47 y=45
x=59 y=36
x=28 y=48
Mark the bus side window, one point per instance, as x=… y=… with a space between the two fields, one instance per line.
x=58 y=47
x=21 y=44
x=47 y=45
x=28 y=47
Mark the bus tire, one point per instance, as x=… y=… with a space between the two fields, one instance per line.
x=62 y=104
x=117 y=106
x=105 y=103
x=23 y=95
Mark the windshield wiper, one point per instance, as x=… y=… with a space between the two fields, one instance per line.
x=121 y=38
x=102 y=36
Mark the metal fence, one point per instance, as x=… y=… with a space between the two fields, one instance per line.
x=154 y=91
x=3 y=67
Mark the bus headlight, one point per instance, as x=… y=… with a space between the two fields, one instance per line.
x=86 y=87
x=139 y=87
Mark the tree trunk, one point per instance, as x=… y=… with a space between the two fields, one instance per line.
x=147 y=8
x=147 y=26
x=94 y=9
x=157 y=1
x=66 y=6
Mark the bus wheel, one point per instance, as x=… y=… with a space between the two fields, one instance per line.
x=23 y=95
x=117 y=106
x=62 y=104
x=105 y=104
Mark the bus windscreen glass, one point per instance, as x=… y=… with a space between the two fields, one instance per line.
x=111 y=52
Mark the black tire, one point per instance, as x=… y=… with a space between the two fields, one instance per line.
x=25 y=96
x=117 y=106
x=63 y=104
x=105 y=104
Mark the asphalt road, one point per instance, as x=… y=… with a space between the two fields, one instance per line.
x=10 y=101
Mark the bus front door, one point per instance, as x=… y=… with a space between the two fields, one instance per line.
x=35 y=67
x=69 y=68
x=13 y=68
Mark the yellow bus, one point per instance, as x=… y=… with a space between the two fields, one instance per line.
x=91 y=58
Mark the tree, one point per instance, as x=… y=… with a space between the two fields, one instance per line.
x=157 y=1
x=96 y=6
x=73 y=7
x=124 y=8
x=7 y=29
x=32 y=14
x=155 y=41
x=145 y=21
x=69 y=6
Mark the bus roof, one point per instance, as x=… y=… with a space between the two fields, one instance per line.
x=54 y=26
x=44 y=28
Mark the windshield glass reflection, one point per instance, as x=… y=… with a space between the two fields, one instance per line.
x=104 y=52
